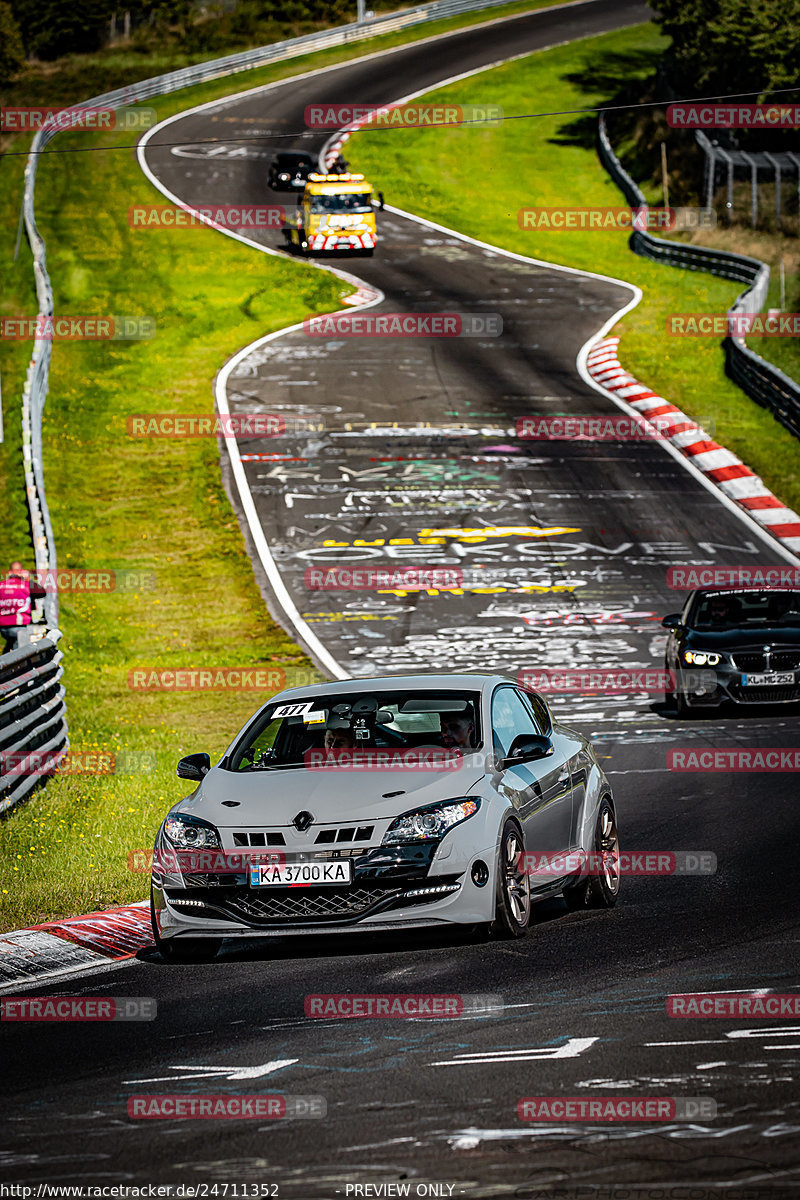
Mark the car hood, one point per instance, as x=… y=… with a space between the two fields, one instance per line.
x=738 y=638
x=231 y=800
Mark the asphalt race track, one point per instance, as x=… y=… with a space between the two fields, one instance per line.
x=416 y=464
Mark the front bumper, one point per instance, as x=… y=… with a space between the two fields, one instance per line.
x=731 y=688
x=341 y=241
x=397 y=887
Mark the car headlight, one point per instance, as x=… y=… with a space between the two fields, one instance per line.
x=701 y=658
x=430 y=824
x=190 y=833
x=284 y=177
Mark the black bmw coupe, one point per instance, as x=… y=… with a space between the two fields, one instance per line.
x=740 y=645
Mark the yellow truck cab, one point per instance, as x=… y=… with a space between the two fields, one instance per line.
x=335 y=213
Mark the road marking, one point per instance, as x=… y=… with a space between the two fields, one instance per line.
x=570 y=1049
x=258 y=1072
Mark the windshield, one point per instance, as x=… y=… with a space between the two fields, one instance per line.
x=729 y=610
x=286 y=732
x=355 y=202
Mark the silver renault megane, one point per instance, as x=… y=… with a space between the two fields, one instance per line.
x=385 y=804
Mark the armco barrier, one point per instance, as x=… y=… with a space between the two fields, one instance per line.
x=32 y=712
x=763 y=382
x=45 y=718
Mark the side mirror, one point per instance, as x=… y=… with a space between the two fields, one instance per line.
x=672 y=621
x=527 y=747
x=194 y=766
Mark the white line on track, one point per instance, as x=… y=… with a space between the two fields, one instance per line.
x=304 y=632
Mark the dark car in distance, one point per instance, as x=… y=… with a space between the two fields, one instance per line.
x=289 y=170
x=735 y=644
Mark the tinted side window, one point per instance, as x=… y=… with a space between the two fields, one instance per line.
x=510 y=717
x=541 y=714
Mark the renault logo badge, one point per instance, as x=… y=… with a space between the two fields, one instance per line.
x=302 y=821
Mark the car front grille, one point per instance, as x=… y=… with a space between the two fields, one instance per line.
x=297 y=906
x=765 y=695
x=252 y=837
x=755 y=660
x=307 y=904
x=348 y=833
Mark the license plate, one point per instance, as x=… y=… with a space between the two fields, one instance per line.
x=765 y=680
x=301 y=874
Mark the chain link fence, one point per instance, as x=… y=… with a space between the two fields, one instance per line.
x=759 y=379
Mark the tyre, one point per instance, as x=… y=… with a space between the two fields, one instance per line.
x=676 y=701
x=512 y=912
x=600 y=891
x=183 y=949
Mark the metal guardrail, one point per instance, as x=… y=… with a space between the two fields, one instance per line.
x=33 y=716
x=759 y=379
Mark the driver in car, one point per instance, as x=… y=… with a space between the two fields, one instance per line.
x=339 y=739
x=722 y=610
x=457 y=730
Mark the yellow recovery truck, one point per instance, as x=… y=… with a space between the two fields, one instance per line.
x=335 y=213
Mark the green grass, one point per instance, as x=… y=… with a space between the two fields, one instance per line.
x=141 y=503
x=160 y=505
x=476 y=180
x=155 y=505
x=77 y=76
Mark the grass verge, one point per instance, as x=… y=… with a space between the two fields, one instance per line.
x=141 y=506
x=551 y=161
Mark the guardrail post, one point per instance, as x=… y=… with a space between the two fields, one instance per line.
x=777 y=168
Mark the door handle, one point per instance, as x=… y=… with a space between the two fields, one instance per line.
x=564 y=777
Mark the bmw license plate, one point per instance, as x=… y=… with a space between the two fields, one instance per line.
x=768 y=679
x=301 y=874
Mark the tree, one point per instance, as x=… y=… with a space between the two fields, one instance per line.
x=732 y=47
x=51 y=27
x=12 y=53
